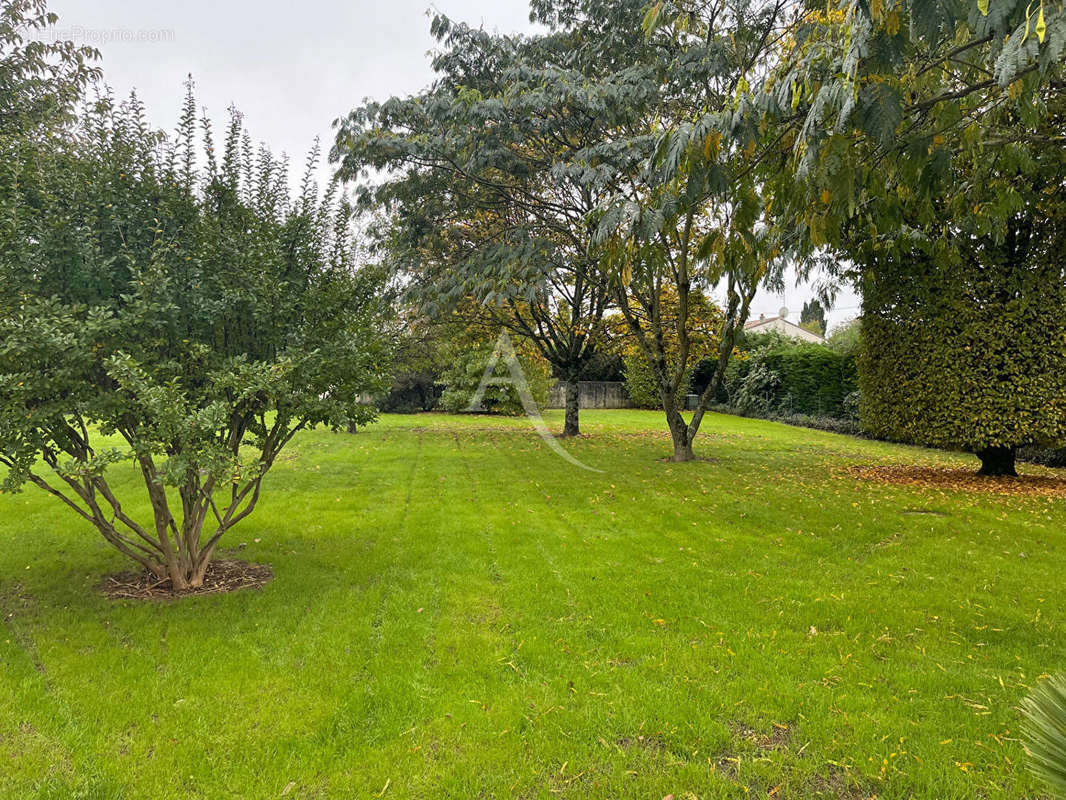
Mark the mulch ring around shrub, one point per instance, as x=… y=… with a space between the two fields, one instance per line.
x=222 y=576
x=962 y=480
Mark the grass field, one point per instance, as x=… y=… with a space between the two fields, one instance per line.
x=457 y=612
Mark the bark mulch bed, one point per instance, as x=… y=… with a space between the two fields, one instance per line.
x=222 y=576
x=963 y=480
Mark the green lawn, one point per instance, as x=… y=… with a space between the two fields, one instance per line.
x=457 y=612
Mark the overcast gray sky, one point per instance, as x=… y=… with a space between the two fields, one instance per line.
x=291 y=68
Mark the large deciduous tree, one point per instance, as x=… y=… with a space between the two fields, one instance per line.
x=701 y=212
x=869 y=100
x=188 y=323
x=493 y=173
x=964 y=318
x=931 y=158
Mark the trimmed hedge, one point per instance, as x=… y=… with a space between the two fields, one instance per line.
x=846 y=427
x=964 y=355
x=1046 y=456
x=812 y=379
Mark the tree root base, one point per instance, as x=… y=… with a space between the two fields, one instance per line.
x=222 y=576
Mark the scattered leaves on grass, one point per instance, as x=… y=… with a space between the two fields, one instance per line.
x=777 y=739
x=837 y=784
x=962 y=480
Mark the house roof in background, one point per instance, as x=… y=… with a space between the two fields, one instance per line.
x=755 y=324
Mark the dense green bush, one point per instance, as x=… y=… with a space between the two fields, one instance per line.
x=848 y=427
x=641 y=386
x=852 y=405
x=410 y=393
x=846 y=338
x=187 y=321
x=758 y=390
x=462 y=379
x=1047 y=456
x=810 y=379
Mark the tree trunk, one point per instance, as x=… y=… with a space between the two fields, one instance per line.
x=180 y=571
x=183 y=555
x=997 y=461
x=682 y=451
x=679 y=433
x=186 y=567
x=169 y=551
x=573 y=404
x=196 y=579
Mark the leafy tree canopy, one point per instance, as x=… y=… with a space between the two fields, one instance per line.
x=926 y=148
x=190 y=321
x=40 y=81
x=704 y=329
x=703 y=210
x=846 y=338
x=876 y=100
x=964 y=337
x=493 y=172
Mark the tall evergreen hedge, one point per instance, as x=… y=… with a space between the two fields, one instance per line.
x=813 y=379
x=964 y=355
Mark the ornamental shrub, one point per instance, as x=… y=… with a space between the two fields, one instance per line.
x=812 y=379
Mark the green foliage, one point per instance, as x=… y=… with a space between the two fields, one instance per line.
x=203 y=317
x=699 y=213
x=752 y=342
x=878 y=103
x=1044 y=732
x=886 y=96
x=756 y=391
x=803 y=378
x=40 y=80
x=492 y=174
x=812 y=318
x=1048 y=456
x=966 y=355
x=846 y=338
x=852 y=405
x=964 y=291
x=420 y=355
x=964 y=319
x=703 y=325
x=641 y=384
x=462 y=379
